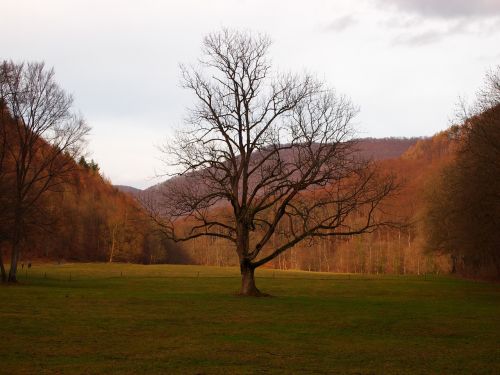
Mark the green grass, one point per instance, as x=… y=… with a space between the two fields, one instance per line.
x=130 y=319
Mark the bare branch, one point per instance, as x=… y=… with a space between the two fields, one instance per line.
x=261 y=151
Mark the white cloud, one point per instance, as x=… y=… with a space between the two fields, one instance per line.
x=423 y=22
x=120 y=60
x=447 y=8
x=341 y=23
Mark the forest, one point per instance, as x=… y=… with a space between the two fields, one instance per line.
x=56 y=206
x=87 y=219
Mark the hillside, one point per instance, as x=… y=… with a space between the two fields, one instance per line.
x=83 y=218
x=414 y=162
x=128 y=189
x=367 y=148
x=385 y=148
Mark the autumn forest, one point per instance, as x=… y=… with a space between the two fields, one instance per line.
x=438 y=214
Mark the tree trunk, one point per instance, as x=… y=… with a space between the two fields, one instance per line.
x=16 y=245
x=453 y=264
x=2 y=268
x=13 y=262
x=112 y=252
x=248 y=287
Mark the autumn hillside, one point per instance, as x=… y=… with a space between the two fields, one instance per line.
x=366 y=148
x=414 y=162
x=128 y=189
x=84 y=219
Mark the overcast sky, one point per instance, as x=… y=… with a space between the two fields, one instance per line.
x=403 y=62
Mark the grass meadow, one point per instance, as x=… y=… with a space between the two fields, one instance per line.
x=131 y=319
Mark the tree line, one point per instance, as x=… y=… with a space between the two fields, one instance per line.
x=462 y=217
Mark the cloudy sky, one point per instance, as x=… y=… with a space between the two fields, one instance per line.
x=403 y=62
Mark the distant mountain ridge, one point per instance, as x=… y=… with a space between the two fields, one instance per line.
x=385 y=148
x=368 y=148
x=128 y=189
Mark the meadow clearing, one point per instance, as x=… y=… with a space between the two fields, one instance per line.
x=129 y=319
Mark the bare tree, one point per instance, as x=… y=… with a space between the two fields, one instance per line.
x=481 y=121
x=40 y=143
x=262 y=153
x=3 y=185
x=489 y=95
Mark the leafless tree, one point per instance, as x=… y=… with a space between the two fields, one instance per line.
x=40 y=142
x=489 y=95
x=263 y=152
x=479 y=120
x=3 y=186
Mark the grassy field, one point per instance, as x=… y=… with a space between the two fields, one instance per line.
x=129 y=319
